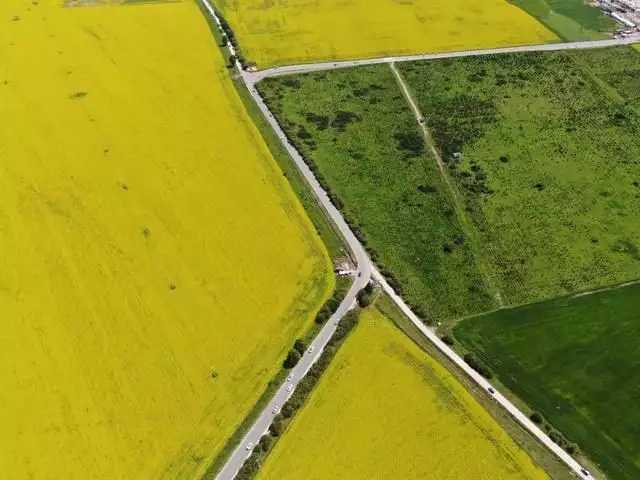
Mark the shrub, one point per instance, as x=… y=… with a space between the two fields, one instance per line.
x=536 y=418
x=477 y=365
x=300 y=346
x=448 y=340
x=364 y=300
x=293 y=357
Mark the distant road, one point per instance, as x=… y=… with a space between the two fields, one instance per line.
x=365 y=268
x=255 y=77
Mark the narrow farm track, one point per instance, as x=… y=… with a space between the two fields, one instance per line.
x=365 y=268
x=463 y=218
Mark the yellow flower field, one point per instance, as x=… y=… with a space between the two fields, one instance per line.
x=296 y=31
x=148 y=240
x=636 y=46
x=385 y=409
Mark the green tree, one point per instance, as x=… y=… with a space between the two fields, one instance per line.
x=293 y=357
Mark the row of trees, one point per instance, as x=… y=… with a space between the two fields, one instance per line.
x=299 y=396
x=478 y=365
x=229 y=37
x=555 y=436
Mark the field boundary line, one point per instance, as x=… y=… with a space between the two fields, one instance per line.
x=463 y=219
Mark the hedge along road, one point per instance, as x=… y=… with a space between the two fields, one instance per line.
x=365 y=268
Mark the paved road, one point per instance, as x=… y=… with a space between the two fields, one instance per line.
x=255 y=77
x=480 y=380
x=363 y=275
x=365 y=269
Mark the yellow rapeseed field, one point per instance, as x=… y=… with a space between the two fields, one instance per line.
x=148 y=240
x=295 y=31
x=636 y=46
x=385 y=409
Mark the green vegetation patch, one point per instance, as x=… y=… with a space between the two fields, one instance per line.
x=356 y=131
x=570 y=19
x=576 y=360
x=545 y=154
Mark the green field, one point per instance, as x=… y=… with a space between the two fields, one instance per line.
x=571 y=20
x=576 y=360
x=355 y=126
x=545 y=155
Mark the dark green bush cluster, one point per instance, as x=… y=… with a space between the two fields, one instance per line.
x=555 y=436
x=230 y=37
x=477 y=364
x=330 y=306
x=412 y=143
x=448 y=340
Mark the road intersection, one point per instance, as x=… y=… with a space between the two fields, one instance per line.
x=365 y=268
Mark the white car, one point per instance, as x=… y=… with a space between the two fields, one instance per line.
x=275 y=410
x=290 y=377
x=310 y=349
x=249 y=446
x=289 y=388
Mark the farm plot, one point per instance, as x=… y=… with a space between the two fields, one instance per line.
x=618 y=74
x=385 y=409
x=571 y=20
x=297 y=31
x=545 y=155
x=357 y=131
x=576 y=361
x=155 y=265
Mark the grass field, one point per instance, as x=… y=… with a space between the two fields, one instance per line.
x=276 y=33
x=545 y=156
x=385 y=409
x=355 y=126
x=571 y=20
x=576 y=361
x=148 y=240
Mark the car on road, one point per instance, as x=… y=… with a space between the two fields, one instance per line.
x=290 y=377
x=275 y=410
x=310 y=349
x=249 y=446
x=289 y=388
x=585 y=472
x=491 y=390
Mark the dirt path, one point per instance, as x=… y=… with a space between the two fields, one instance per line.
x=461 y=214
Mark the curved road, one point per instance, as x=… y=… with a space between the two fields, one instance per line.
x=365 y=269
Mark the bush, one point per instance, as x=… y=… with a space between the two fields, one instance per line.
x=293 y=357
x=536 y=418
x=300 y=346
x=448 y=340
x=364 y=300
x=477 y=365
x=265 y=442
